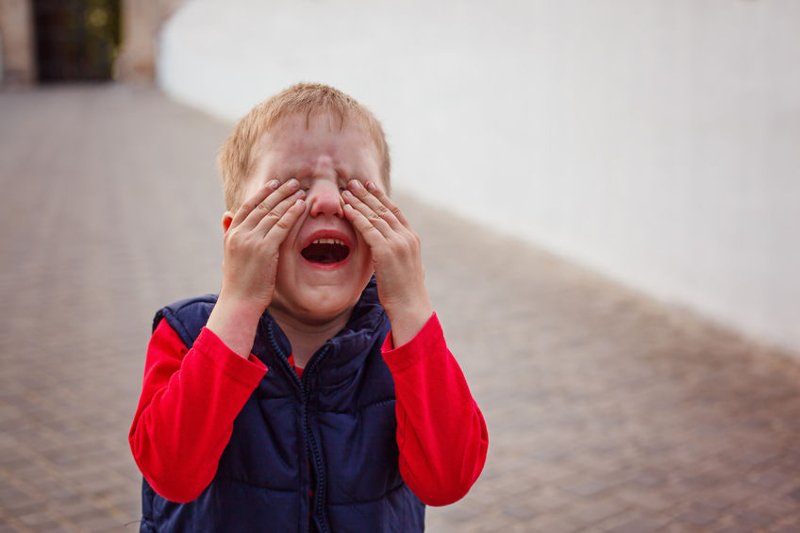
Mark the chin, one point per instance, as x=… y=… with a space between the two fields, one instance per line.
x=324 y=280
x=316 y=306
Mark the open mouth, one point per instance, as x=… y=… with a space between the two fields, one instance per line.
x=326 y=251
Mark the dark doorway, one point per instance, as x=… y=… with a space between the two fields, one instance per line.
x=76 y=40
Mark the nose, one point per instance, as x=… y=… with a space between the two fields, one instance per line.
x=325 y=198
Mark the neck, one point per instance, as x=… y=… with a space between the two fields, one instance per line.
x=306 y=338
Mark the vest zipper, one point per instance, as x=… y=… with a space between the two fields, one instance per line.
x=308 y=435
x=319 y=494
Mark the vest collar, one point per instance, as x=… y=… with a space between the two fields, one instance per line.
x=346 y=351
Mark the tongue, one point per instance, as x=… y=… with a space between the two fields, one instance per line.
x=325 y=253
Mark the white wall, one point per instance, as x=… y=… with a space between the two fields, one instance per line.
x=656 y=141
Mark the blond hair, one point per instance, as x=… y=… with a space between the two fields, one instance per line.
x=236 y=157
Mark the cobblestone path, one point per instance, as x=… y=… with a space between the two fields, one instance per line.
x=607 y=411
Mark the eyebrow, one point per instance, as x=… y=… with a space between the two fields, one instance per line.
x=341 y=173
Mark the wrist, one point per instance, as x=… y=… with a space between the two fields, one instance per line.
x=235 y=322
x=413 y=304
x=244 y=307
x=407 y=321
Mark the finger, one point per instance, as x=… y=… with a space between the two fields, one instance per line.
x=369 y=199
x=373 y=218
x=277 y=233
x=260 y=203
x=262 y=208
x=364 y=226
x=385 y=200
x=270 y=219
x=250 y=204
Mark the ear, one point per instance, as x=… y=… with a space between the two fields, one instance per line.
x=227 y=218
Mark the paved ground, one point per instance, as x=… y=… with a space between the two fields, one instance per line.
x=607 y=411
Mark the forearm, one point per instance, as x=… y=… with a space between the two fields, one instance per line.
x=442 y=435
x=189 y=401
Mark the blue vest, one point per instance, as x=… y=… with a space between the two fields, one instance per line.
x=311 y=454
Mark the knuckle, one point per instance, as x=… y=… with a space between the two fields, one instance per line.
x=233 y=235
x=283 y=224
x=235 y=245
x=406 y=247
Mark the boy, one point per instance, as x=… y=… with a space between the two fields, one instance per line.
x=316 y=391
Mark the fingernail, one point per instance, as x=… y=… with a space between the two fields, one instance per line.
x=273 y=184
x=347 y=194
x=371 y=186
x=300 y=193
x=355 y=185
x=293 y=182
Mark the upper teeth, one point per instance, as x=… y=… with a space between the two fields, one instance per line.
x=329 y=241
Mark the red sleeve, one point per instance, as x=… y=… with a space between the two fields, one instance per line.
x=441 y=432
x=190 y=398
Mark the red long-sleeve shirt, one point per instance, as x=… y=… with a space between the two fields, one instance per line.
x=190 y=398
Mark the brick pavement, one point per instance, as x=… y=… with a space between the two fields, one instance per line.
x=607 y=411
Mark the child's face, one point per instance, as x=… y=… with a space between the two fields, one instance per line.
x=324 y=264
